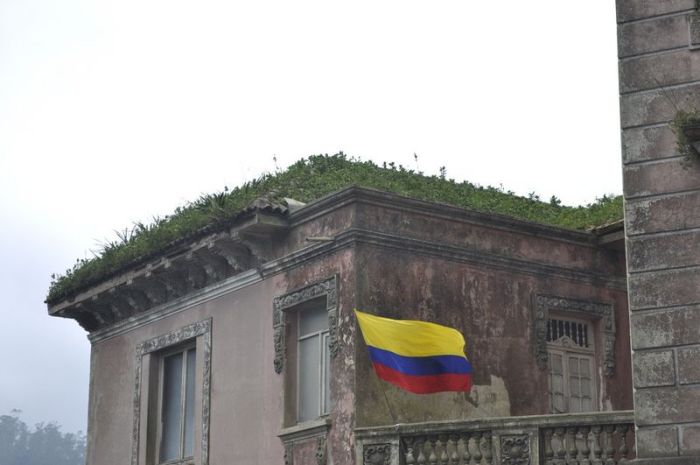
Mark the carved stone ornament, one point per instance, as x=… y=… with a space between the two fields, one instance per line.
x=586 y=310
x=321 y=450
x=376 y=454
x=515 y=450
x=200 y=328
x=328 y=288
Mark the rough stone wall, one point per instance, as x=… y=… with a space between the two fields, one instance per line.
x=660 y=74
x=494 y=310
x=414 y=273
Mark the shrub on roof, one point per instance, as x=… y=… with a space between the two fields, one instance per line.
x=307 y=180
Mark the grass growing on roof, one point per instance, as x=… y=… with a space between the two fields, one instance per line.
x=307 y=180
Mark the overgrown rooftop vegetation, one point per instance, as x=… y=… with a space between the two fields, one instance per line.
x=307 y=180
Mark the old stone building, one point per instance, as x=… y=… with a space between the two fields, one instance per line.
x=658 y=49
x=241 y=346
x=238 y=345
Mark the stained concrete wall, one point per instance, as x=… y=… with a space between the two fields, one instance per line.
x=491 y=304
x=247 y=402
x=244 y=384
x=393 y=256
x=660 y=74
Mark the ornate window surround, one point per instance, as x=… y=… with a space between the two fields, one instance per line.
x=201 y=330
x=328 y=288
x=583 y=309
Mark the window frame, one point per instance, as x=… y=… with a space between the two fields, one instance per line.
x=147 y=393
x=183 y=349
x=565 y=347
x=600 y=314
x=284 y=322
x=324 y=374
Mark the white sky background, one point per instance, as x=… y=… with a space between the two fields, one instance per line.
x=112 y=112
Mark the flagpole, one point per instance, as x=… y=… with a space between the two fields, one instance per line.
x=388 y=405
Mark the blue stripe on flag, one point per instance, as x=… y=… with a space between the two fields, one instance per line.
x=420 y=366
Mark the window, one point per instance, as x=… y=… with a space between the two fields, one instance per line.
x=305 y=323
x=313 y=360
x=172 y=397
x=176 y=406
x=570 y=363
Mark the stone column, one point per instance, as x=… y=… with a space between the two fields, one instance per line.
x=660 y=75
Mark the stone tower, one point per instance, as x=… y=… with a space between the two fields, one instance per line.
x=659 y=61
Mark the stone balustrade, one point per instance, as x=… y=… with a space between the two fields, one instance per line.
x=605 y=438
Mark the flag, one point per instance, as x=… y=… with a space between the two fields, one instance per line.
x=417 y=356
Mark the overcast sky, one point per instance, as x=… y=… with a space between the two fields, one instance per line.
x=112 y=112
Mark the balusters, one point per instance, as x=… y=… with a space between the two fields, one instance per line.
x=441 y=446
x=548 y=451
x=571 y=442
x=622 y=430
x=468 y=448
x=568 y=444
x=608 y=450
x=466 y=454
x=597 y=450
x=453 y=444
x=584 y=451
x=561 y=450
x=432 y=457
x=420 y=459
x=486 y=448
x=477 y=450
x=409 y=444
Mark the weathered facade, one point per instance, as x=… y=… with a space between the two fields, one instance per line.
x=236 y=299
x=658 y=46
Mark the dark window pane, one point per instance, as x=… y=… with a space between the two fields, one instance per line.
x=189 y=404
x=313 y=320
x=172 y=407
x=309 y=378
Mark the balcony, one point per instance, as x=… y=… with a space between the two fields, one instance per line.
x=605 y=438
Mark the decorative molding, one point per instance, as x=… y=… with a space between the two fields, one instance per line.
x=515 y=449
x=346 y=239
x=200 y=328
x=694 y=31
x=182 y=304
x=376 y=454
x=317 y=429
x=185 y=268
x=288 y=454
x=321 y=450
x=389 y=200
x=230 y=255
x=327 y=288
x=307 y=430
x=600 y=311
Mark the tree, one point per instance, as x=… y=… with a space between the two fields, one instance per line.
x=45 y=445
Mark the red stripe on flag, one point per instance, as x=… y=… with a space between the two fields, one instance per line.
x=426 y=384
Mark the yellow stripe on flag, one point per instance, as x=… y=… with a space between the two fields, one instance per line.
x=410 y=338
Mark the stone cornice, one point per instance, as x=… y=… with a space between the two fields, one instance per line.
x=196 y=298
x=592 y=418
x=351 y=238
x=480 y=258
x=192 y=270
x=179 y=273
x=355 y=194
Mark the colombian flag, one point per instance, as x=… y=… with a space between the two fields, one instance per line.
x=417 y=356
